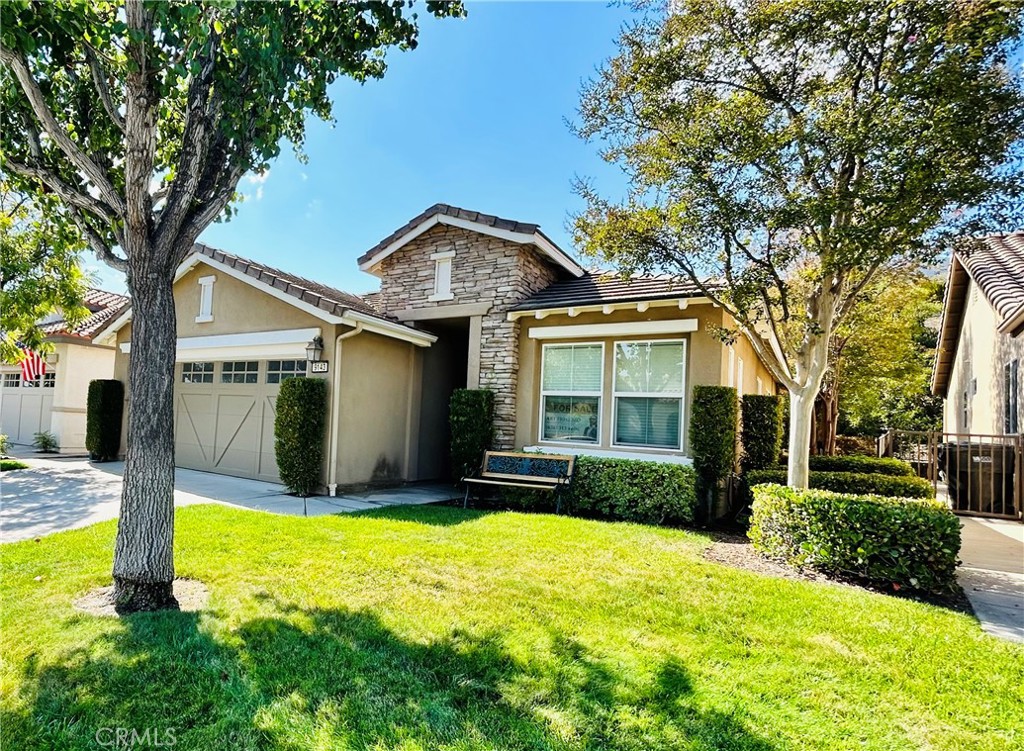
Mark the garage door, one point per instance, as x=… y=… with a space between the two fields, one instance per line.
x=25 y=406
x=224 y=415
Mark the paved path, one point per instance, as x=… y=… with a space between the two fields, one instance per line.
x=58 y=493
x=992 y=574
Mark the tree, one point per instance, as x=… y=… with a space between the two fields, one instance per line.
x=141 y=117
x=829 y=136
x=39 y=270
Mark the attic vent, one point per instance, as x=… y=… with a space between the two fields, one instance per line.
x=442 y=276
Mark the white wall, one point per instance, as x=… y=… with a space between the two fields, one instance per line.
x=76 y=365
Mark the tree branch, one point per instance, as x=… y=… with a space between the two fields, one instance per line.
x=99 y=245
x=99 y=81
x=67 y=193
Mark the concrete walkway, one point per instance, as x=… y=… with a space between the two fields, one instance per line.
x=58 y=493
x=992 y=574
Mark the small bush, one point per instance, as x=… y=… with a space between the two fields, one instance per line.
x=633 y=490
x=6 y=465
x=104 y=407
x=851 y=482
x=863 y=464
x=761 y=431
x=712 y=439
x=299 y=433
x=909 y=543
x=5 y=444
x=471 y=416
x=46 y=442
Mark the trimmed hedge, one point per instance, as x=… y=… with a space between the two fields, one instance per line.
x=712 y=440
x=761 y=431
x=631 y=490
x=851 y=482
x=863 y=464
x=888 y=541
x=299 y=433
x=104 y=409
x=471 y=417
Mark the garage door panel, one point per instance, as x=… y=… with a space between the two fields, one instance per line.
x=194 y=432
x=25 y=412
x=237 y=442
x=268 y=458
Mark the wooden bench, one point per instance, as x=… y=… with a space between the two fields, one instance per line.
x=548 y=472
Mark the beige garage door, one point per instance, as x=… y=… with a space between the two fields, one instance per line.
x=25 y=407
x=224 y=415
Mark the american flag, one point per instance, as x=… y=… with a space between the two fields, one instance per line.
x=32 y=366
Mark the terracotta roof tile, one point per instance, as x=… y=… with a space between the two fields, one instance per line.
x=996 y=264
x=102 y=306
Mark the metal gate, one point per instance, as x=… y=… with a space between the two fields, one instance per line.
x=977 y=474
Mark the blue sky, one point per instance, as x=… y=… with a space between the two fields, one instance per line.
x=474 y=117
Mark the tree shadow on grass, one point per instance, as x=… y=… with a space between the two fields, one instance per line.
x=333 y=678
x=436 y=515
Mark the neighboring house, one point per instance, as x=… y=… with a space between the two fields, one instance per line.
x=55 y=402
x=579 y=362
x=981 y=348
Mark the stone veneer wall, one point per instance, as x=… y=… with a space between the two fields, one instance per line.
x=485 y=269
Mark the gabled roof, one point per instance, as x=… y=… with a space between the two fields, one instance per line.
x=328 y=303
x=488 y=224
x=996 y=264
x=102 y=306
x=596 y=288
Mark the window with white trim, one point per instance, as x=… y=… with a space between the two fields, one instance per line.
x=49 y=380
x=205 y=299
x=279 y=371
x=442 y=276
x=197 y=372
x=572 y=378
x=240 y=372
x=1011 y=391
x=12 y=380
x=648 y=393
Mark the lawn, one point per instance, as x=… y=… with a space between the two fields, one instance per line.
x=9 y=464
x=437 y=628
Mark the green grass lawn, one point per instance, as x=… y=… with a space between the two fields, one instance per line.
x=437 y=628
x=9 y=464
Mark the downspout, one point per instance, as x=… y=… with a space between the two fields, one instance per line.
x=332 y=467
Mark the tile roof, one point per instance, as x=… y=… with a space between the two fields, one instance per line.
x=595 y=288
x=102 y=306
x=489 y=220
x=996 y=265
x=328 y=299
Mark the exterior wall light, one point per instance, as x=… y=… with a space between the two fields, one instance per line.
x=315 y=349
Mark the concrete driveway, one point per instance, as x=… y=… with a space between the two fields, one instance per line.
x=59 y=493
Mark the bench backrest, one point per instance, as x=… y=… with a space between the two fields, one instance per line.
x=553 y=469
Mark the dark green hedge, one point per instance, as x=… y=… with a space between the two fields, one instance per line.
x=622 y=489
x=909 y=543
x=851 y=482
x=471 y=417
x=761 y=431
x=299 y=433
x=864 y=464
x=713 y=426
x=104 y=408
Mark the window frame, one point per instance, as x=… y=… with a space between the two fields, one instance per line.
x=1011 y=400
x=49 y=380
x=16 y=377
x=615 y=394
x=212 y=373
x=284 y=375
x=586 y=394
x=206 y=299
x=224 y=372
x=442 y=260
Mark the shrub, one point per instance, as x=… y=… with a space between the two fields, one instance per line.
x=910 y=543
x=5 y=444
x=471 y=416
x=104 y=408
x=712 y=438
x=633 y=490
x=851 y=482
x=299 y=433
x=863 y=464
x=6 y=465
x=761 y=431
x=46 y=442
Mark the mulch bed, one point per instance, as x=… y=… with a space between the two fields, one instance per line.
x=735 y=550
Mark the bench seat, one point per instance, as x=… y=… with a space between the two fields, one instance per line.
x=550 y=472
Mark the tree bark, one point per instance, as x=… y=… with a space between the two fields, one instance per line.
x=801 y=417
x=144 y=552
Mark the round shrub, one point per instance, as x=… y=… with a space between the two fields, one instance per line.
x=761 y=431
x=471 y=417
x=104 y=409
x=299 y=433
x=911 y=543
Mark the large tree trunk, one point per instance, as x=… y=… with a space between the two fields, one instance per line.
x=144 y=553
x=801 y=419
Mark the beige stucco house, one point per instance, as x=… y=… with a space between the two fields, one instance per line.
x=579 y=362
x=981 y=339
x=55 y=402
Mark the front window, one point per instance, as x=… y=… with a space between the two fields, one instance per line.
x=1011 y=387
x=240 y=372
x=197 y=372
x=282 y=370
x=571 y=384
x=648 y=394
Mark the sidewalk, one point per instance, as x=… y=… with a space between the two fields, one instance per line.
x=992 y=574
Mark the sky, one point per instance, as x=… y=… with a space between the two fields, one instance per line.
x=474 y=117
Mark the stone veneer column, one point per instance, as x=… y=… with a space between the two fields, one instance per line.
x=499 y=371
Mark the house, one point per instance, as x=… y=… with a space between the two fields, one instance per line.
x=55 y=402
x=981 y=346
x=579 y=362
